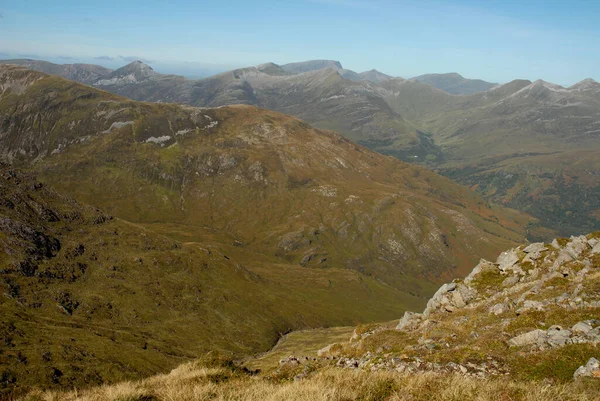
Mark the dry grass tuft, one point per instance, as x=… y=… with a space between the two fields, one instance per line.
x=192 y=382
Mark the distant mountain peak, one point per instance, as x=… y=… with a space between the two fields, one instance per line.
x=267 y=65
x=271 y=69
x=374 y=76
x=548 y=85
x=586 y=84
x=134 y=72
x=454 y=83
x=137 y=66
x=311 y=65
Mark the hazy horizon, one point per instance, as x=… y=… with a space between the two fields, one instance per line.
x=496 y=41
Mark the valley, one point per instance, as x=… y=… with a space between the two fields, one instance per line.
x=528 y=145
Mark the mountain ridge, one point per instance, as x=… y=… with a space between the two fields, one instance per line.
x=460 y=136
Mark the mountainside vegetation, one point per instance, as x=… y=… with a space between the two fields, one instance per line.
x=88 y=298
x=230 y=226
x=266 y=180
x=523 y=328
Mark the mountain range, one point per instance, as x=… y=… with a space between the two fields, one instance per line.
x=211 y=228
x=529 y=145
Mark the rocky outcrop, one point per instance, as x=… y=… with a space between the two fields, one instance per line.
x=590 y=369
x=518 y=275
x=556 y=336
x=529 y=307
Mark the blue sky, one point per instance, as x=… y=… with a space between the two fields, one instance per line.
x=494 y=40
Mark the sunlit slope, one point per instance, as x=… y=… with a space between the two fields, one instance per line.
x=262 y=180
x=89 y=298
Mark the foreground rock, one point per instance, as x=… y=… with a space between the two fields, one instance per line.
x=590 y=369
x=534 y=305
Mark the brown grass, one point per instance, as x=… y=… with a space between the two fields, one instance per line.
x=194 y=382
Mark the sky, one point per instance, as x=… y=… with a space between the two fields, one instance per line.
x=498 y=41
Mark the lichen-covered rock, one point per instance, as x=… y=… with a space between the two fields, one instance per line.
x=558 y=337
x=563 y=257
x=534 y=252
x=534 y=337
x=439 y=298
x=409 y=321
x=482 y=266
x=498 y=309
x=507 y=260
x=582 y=328
x=510 y=281
x=590 y=369
x=576 y=246
x=530 y=305
x=535 y=247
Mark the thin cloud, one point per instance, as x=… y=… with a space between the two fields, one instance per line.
x=1 y=15
x=66 y=57
x=106 y=58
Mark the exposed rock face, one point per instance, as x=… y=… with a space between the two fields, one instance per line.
x=449 y=298
x=409 y=321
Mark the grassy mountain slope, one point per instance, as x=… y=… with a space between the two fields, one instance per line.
x=523 y=328
x=232 y=225
x=265 y=180
x=488 y=140
x=88 y=298
x=522 y=124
